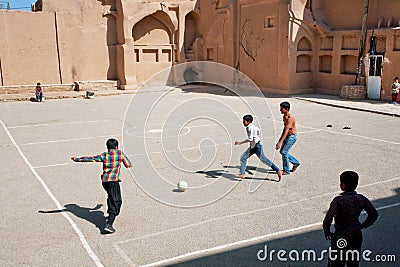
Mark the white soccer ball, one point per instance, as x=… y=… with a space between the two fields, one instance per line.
x=182 y=186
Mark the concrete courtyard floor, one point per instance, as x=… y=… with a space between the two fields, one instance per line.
x=53 y=209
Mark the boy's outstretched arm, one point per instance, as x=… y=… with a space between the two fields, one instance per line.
x=97 y=158
x=372 y=214
x=241 y=142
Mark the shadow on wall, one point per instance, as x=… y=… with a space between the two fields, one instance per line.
x=209 y=88
x=381 y=239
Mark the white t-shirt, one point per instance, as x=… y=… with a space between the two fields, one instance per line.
x=253 y=134
x=395 y=88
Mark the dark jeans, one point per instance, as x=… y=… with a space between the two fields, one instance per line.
x=114 y=200
x=353 y=241
x=395 y=97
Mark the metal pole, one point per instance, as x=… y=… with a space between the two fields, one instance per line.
x=362 y=41
x=58 y=47
x=1 y=74
x=236 y=25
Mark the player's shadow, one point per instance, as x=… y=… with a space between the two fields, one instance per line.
x=219 y=173
x=250 y=170
x=212 y=174
x=92 y=215
x=223 y=173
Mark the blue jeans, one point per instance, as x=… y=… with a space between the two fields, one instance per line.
x=39 y=96
x=286 y=157
x=260 y=154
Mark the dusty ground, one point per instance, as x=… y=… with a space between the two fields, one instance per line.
x=53 y=209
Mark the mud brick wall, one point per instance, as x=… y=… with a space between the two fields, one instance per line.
x=353 y=91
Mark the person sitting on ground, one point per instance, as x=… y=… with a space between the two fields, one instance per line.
x=39 y=92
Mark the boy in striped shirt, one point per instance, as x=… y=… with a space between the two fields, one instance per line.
x=112 y=161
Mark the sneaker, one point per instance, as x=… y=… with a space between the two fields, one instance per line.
x=285 y=173
x=109 y=229
x=295 y=166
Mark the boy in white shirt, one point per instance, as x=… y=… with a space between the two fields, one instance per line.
x=395 y=91
x=255 y=148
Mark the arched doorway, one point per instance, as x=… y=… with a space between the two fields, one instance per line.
x=152 y=45
x=191 y=33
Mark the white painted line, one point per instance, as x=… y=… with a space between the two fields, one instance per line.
x=251 y=240
x=69 y=140
x=388 y=206
x=123 y=255
x=182 y=149
x=139 y=155
x=207 y=146
x=51 y=195
x=155 y=130
x=59 y=123
x=312 y=131
x=365 y=137
x=348 y=134
x=227 y=216
x=353 y=135
x=380 y=182
x=246 y=213
x=312 y=113
x=52 y=165
x=238 y=243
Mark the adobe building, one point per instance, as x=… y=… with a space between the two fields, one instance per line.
x=284 y=46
